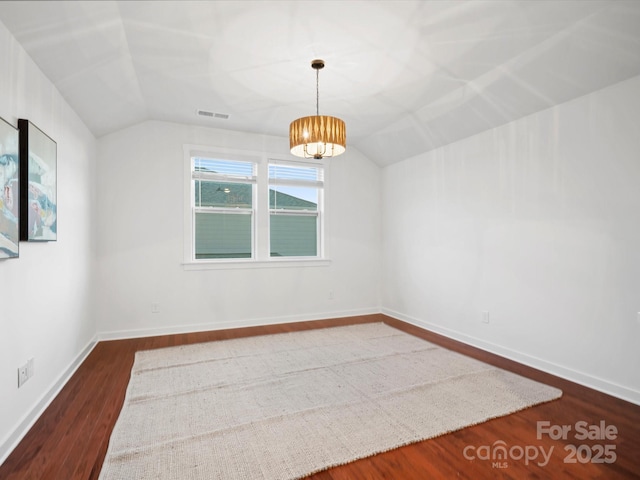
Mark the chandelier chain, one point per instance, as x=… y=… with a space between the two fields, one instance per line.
x=317 y=92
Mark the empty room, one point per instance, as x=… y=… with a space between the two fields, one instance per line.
x=335 y=240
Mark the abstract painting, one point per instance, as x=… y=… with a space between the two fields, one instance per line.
x=38 y=184
x=10 y=194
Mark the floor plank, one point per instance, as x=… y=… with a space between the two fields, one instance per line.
x=69 y=441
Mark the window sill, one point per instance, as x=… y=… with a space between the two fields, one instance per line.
x=238 y=264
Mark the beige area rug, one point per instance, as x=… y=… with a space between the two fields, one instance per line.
x=288 y=405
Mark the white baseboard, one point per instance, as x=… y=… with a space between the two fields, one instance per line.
x=585 y=379
x=13 y=439
x=255 y=322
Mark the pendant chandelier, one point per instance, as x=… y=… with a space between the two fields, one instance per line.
x=317 y=136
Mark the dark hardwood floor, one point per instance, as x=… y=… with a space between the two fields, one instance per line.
x=70 y=439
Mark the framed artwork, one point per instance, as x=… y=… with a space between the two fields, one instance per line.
x=38 y=184
x=10 y=194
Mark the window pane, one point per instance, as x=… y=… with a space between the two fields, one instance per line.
x=220 y=194
x=293 y=198
x=294 y=173
x=294 y=235
x=223 y=235
x=227 y=167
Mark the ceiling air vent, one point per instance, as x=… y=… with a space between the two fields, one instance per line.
x=205 y=113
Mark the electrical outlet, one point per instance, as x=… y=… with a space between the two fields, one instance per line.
x=485 y=317
x=155 y=307
x=330 y=294
x=25 y=372
x=23 y=375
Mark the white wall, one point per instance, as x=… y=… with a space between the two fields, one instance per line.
x=45 y=294
x=140 y=242
x=536 y=222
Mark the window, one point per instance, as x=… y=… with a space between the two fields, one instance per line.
x=248 y=208
x=294 y=195
x=223 y=195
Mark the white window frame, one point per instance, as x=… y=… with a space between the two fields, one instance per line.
x=261 y=211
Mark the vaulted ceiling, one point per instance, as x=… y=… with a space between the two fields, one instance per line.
x=406 y=76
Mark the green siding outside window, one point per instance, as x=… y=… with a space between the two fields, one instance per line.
x=223 y=235
x=293 y=235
